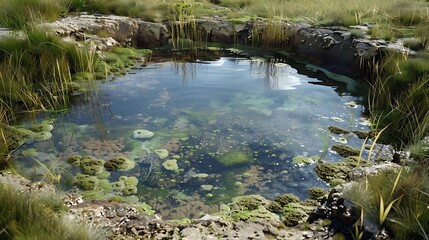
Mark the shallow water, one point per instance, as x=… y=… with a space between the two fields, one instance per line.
x=261 y=114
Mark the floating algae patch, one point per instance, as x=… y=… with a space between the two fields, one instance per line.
x=185 y=137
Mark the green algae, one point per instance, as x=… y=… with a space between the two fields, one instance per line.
x=234 y=158
x=86 y=182
x=171 y=165
x=120 y=164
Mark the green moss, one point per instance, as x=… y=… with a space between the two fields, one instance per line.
x=144 y=208
x=117 y=198
x=250 y=202
x=44 y=126
x=74 y=160
x=338 y=130
x=234 y=158
x=11 y=139
x=30 y=152
x=302 y=160
x=171 y=165
x=317 y=193
x=93 y=195
x=129 y=190
x=86 y=182
x=285 y=199
x=345 y=151
x=120 y=164
x=105 y=186
x=131 y=181
x=91 y=165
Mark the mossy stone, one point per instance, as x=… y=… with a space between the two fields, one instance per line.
x=105 y=186
x=329 y=171
x=345 y=151
x=338 y=130
x=274 y=207
x=119 y=163
x=234 y=158
x=91 y=165
x=117 y=198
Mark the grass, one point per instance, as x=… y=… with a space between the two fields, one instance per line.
x=30 y=215
x=36 y=70
x=399 y=97
x=396 y=201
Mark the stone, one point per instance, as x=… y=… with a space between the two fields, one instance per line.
x=206 y=187
x=41 y=136
x=142 y=134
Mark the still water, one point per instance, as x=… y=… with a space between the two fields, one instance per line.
x=220 y=129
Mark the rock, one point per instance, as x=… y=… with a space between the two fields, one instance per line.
x=142 y=134
x=361 y=173
x=171 y=165
x=151 y=35
x=345 y=151
x=285 y=199
x=119 y=163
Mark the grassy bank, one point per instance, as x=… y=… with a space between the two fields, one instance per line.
x=36 y=72
x=32 y=215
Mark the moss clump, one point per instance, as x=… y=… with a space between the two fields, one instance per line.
x=317 y=193
x=86 y=182
x=11 y=139
x=91 y=165
x=340 y=170
x=44 y=126
x=41 y=136
x=285 y=199
x=345 y=151
x=234 y=158
x=338 y=130
x=274 y=207
x=74 y=160
x=119 y=163
x=302 y=160
x=294 y=217
x=171 y=165
x=250 y=202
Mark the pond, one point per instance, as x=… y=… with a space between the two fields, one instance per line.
x=188 y=136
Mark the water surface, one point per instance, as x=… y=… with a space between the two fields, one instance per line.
x=233 y=126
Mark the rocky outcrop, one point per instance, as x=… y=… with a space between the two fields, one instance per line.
x=333 y=48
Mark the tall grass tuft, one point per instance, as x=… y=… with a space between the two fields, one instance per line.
x=397 y=201
x=26 y=215
x=400 y=98
x=36 y=70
